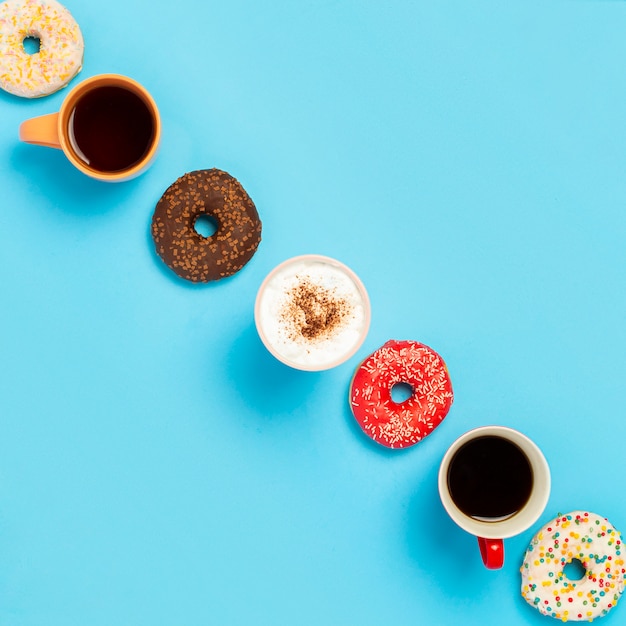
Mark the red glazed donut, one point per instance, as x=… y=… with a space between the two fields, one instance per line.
x=401 y=424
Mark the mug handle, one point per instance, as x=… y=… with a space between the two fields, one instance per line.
x=41 y=131
x=492 y=552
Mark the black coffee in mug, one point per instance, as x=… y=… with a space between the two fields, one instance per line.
x=111 y=129
x=490 y=478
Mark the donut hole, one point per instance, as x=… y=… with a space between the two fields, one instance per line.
x=401 y=392
x=206 y=226
x=574 y=570
x=31 y=44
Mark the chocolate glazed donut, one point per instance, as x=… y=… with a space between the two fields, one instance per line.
x=212 y=193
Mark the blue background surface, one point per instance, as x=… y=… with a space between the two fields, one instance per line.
x=466 y=158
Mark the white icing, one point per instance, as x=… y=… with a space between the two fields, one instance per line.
x=60 y=56
x=596 y=544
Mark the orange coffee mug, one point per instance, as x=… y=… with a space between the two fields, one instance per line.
x=108 y=127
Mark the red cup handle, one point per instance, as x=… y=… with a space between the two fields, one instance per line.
x=492 y=551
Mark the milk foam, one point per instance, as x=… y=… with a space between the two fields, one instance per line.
x=296 y=349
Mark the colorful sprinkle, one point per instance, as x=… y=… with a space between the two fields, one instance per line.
x=60 y=55
x=544 y=582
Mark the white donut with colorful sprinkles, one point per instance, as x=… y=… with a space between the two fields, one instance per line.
x=61 y=47
x=596 y=546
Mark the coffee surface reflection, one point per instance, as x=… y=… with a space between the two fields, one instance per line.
x=111 y=129
x=490 y=478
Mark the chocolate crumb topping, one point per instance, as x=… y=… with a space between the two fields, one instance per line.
x=313 y=312
x=216 y=194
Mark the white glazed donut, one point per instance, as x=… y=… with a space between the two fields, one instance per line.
x=577 y=536
x=60 y=55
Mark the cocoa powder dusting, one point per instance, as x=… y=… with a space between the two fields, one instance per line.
x=313 y=312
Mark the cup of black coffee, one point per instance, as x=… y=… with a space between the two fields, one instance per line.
x=108 y=127
x=494 y=482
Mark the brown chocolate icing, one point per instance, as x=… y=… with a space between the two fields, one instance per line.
x=212 y=193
